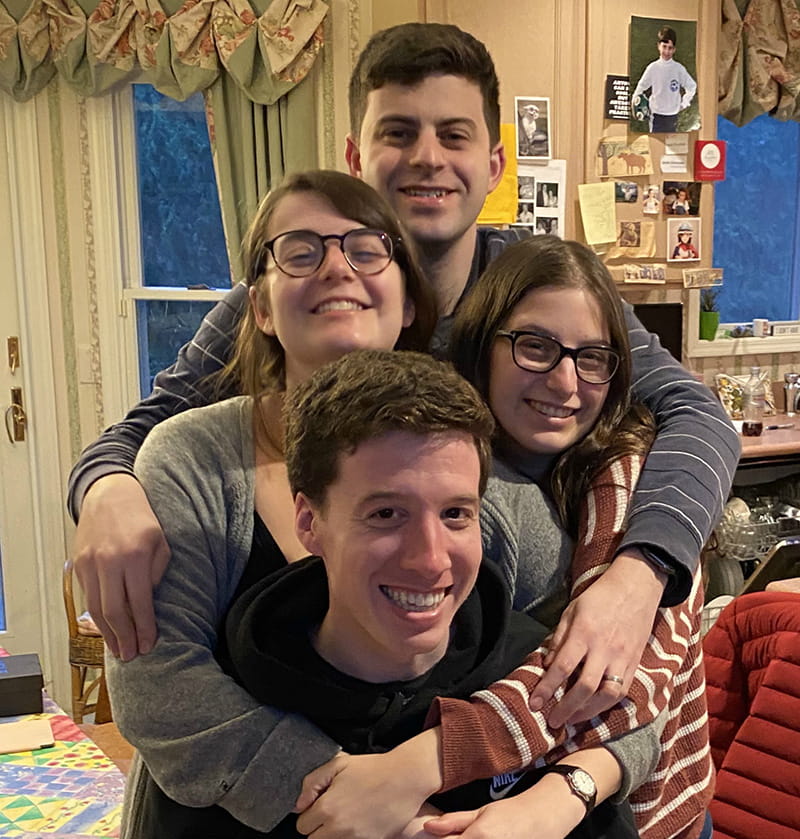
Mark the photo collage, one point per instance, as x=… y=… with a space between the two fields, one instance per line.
x=538 y=205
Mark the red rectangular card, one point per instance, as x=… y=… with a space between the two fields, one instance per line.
x=709 y=160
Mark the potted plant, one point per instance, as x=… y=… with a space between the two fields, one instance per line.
x=709 y=313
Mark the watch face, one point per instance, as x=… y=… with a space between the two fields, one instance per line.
x=583 y=783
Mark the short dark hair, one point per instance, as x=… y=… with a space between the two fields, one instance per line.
x=368 y=393
x=667 y=33
x=407 y=54
x=550 y=262
x=258 y=362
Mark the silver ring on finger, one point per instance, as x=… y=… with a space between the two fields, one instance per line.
x=618 y=679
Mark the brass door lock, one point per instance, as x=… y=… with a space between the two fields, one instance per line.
x=16 y=418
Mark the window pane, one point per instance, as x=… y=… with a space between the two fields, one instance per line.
x=181 y=225
x=164 y=326
x=755 y=219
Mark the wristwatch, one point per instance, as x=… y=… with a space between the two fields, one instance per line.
x=580 y=782
x=653 y=557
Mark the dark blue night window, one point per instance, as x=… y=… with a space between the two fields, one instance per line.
x=182 y=240
x=756 y=220
x=181 y=226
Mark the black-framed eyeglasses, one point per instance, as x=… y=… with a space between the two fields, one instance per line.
x=298 y=253
x=540 y=354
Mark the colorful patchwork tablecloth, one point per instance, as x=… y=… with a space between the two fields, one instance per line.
x=71 y=790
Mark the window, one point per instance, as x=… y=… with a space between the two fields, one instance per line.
x=756 y=220
x=180 y=227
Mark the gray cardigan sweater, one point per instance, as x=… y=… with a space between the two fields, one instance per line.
x=204 y=739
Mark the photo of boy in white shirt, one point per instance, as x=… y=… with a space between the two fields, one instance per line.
x=667 y=84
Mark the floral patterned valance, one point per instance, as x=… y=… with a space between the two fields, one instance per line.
x=135 y=40
x=759 y=66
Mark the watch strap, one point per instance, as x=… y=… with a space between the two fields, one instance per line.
x=589 y=798
x=656 y=559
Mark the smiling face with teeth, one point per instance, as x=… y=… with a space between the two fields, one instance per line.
x=399 y=534
x=547 y=413
x=335 y=310
x=426 y=149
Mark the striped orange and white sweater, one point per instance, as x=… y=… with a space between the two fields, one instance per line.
x=495 y=731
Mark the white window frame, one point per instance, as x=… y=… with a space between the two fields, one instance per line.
x=729 y=346
x=115 y=209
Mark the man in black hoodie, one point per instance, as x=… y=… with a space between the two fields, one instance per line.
x=388 y=454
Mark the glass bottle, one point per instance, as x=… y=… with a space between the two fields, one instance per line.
x=754 y=395
x=791 y=389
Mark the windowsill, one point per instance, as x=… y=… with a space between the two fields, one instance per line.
x=743 y=346
x=729 y=346
x=173 y=293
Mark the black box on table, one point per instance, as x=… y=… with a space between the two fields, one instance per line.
x=21 y=684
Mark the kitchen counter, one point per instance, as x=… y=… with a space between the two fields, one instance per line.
x=781 y=443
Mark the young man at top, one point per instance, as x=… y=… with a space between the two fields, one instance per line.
x=425 y=132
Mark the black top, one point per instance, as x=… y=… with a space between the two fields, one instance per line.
x=268 y=634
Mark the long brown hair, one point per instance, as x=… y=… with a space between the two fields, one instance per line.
x=550 y=262
x=258 y=363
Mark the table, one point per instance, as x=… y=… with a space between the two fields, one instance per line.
x=777 y=443
x=773 y=455
x=71 y=790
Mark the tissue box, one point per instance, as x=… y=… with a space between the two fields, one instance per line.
x=21 y=685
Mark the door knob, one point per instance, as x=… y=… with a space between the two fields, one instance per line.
x=16 y=418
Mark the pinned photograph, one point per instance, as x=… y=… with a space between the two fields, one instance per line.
x=526 y=187
x=635 y=239
x=702 y=277
x=683 y=240
x=525 y=214
x=652 y=200
x=630 y=234
x=533 y=128
x=682 y=198
x=663 y=73
x=626 y=192
x=546 y=194
x=645 y=273
x=546 y=225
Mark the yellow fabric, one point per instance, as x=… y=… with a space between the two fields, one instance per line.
x=500 y=206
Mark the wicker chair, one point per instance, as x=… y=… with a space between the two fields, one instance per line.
x=86 y=662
